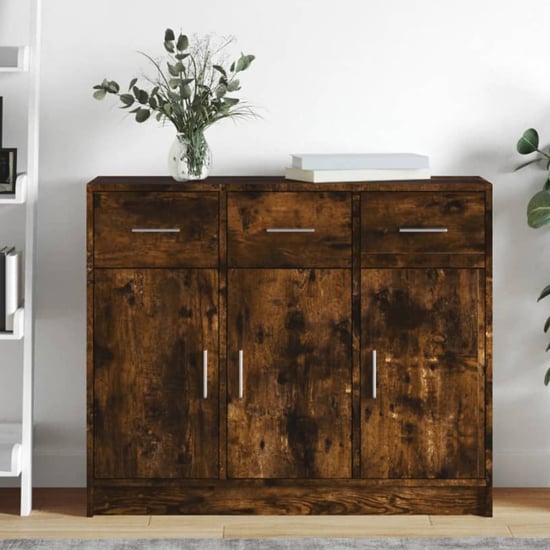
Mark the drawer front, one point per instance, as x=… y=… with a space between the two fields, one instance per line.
x=442 y=226
x=155 y=229
x=285 y=229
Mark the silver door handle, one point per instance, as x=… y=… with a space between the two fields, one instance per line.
x=241 y=377
x=423 y=230
x=374 y=374
x=155 y=230
x=205 y=373
x=290 y=230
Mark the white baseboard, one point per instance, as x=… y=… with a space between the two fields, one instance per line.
x=67 y=468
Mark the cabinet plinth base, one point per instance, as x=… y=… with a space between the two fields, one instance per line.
x=244 y=497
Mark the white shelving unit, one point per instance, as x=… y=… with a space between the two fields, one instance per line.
x=14 y=59
x=16 y=439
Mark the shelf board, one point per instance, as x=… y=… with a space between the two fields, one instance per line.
x=10 y=449
x=20 y=195
x=14 y=59
x=18 y=324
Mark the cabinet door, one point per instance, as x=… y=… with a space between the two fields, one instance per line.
x=425 y=419
x=289 y=416
x=152 y=416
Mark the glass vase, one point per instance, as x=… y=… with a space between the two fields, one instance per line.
x=189 y=157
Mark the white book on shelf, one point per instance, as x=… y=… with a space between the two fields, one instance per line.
x=351 y=161
x=325 y=176
x=13 y=287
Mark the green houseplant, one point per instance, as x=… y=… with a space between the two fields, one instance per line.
x=538 y=208
x=191 y=91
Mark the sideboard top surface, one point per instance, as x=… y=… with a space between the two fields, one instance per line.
x=279 y=183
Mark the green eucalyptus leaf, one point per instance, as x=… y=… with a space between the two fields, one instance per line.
x=547 y=325
x=174 y=82
x=230 y=101
x=179 y=67
x=100 y=94
x=153 y=103
x=221 y=90
x=132 y=83
x=142 y=115
x=159 y=116
x=127 y=100
x=182 y=43
x=169 y=47
x=220 y=69
x=232 y=67
x=547 y=377
x=546 y=186
x=538 y=210
x=528 y=142
x=167 y=109
x=234 y=85
x=141 y=95
x=545 y=292
x=172 y=69
x=113 y=87
x=547 y=347
x=244 y=62
x=185 y=91
x=98 y=87
x=169 y=35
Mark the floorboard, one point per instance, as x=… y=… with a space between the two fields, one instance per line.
x=61 y=513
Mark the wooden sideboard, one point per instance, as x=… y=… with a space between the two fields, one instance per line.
x=262 y=346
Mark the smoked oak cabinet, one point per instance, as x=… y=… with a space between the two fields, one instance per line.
x=262 y=346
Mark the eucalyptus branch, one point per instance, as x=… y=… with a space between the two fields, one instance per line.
x=196 y=95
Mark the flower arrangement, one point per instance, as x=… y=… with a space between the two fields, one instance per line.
x=192 y=93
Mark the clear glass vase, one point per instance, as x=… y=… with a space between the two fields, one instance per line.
x=189 y=157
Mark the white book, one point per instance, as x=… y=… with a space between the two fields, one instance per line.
x=372 y=161
x=325 y=176
x=13 y=287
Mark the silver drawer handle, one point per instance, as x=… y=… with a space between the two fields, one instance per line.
x=155 y=230
x=423 y=230
x=241 y=369
x=290 y=230
x=374 y=374
x=205 y=373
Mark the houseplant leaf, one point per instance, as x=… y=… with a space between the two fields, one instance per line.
x=528 y=142
x=538 y=209
x=545 y=292
x=547 y=377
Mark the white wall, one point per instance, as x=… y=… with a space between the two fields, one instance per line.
x=458 y=81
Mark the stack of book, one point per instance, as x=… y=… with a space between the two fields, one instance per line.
x=358 y=167
x=10 y=286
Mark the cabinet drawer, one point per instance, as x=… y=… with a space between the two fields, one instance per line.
x=285 y=229
x=155 y=229
x=435 y=227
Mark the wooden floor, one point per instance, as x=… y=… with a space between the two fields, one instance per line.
x=60 y=513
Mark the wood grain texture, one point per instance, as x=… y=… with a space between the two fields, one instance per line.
x=159 y=184
x=461 y=213
x=302 y=311
x=426 y=419
x=89 y=345
x=250 y=214
x=294 y=327
x=231 y=497
x=150 y=329
x=488 y=328
x=195 y=215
